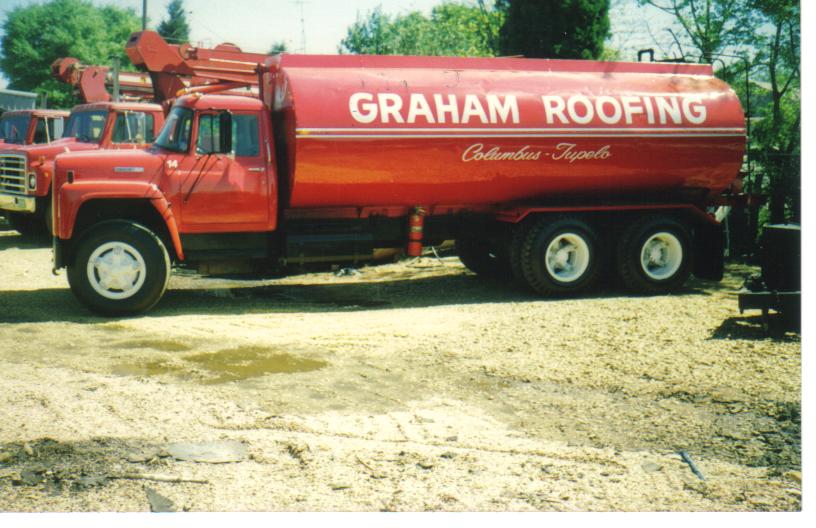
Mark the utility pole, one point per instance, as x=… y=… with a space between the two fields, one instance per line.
x=144 y=15
x=300 y=3
x=116 y=79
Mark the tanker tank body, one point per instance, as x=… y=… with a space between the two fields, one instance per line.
x=544 y=171
x=387 y=131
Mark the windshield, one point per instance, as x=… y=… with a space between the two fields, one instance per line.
x=86 y=126
x=175 y=135
x=133 y=127
x=48 y=129
x=13 y=128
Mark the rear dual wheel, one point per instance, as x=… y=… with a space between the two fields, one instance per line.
x=557 y=257
x=561 y=256
x=654 y=255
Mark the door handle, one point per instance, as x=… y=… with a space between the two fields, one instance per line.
x=256 y=169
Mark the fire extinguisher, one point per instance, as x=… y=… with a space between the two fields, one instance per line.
x=416 y=223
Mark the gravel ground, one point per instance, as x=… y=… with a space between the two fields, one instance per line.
x=409 y=386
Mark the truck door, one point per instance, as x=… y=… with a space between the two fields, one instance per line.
x=227 y=188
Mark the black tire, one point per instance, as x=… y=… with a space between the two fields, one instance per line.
x=25 y=224
x=481 y=258
x=669 y=262
x=516 y=249
x=48 y=218
x=132 y=241
x=570 y=244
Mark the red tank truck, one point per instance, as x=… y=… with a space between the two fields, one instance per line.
x=26 y=170
x=545 y=171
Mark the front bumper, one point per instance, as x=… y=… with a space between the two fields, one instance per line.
x=17 y=203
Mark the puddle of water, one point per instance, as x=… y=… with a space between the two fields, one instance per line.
x=233 y=364
x=251 y=362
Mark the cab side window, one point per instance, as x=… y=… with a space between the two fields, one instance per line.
x=209 y=134
x=40 y=135
x=48 y=129
x=245 y=135
x=56 y=127
x=133 y=127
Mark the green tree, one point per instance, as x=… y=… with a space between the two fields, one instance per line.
x=766 y=35
x=707 y=26
x=451 y=29
x=278 y=47
x=36 y=35
x=556 y=29
x=778 y=133
x=175 y=27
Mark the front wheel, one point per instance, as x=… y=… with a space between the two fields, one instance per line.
x=120 y=268
x=654 y=255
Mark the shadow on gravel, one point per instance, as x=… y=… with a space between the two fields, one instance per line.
x=12 y=239
x=755 y=327
x=32 y=306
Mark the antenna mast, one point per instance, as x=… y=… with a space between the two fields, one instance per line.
x=300 y=3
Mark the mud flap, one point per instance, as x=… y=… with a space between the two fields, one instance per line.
x=58 y=253
x=709 y=242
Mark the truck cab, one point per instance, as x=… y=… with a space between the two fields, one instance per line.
x=26 y=169
x=207 y=185
x=29 y=127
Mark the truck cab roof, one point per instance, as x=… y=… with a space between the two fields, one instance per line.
x=220 y=102
x=39 y=112
x=120 y=106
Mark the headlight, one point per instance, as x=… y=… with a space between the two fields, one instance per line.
x=32 y=181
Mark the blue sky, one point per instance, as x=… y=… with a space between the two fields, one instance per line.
x=255 y=24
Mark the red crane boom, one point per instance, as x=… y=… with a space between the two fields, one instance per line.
x=168 y=69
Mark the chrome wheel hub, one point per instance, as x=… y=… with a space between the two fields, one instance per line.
x=116 y=270
x=661 y=256
x=567 y=257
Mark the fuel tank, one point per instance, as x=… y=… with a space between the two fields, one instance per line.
x=376 y=130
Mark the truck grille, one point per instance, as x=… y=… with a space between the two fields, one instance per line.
x=13 y=173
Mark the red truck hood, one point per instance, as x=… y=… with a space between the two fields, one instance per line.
x=109 y=165
x=50 y=150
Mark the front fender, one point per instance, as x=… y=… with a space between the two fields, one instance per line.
x=72 y=196
x=45 y=173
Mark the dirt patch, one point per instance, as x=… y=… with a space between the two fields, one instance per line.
x=410 y=386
